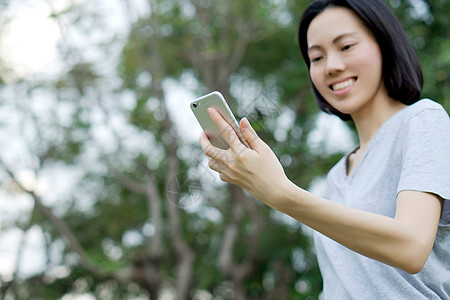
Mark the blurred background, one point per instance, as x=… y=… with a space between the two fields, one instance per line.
x=104 y=190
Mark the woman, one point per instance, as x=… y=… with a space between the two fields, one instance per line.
x=383 y=231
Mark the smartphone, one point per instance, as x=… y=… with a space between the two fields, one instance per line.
x=215 y=99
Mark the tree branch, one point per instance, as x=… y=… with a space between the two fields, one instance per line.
x=61 y=226
x=129 y=183
x=239 y=271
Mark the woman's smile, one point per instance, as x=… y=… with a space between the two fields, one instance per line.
x=343 y=86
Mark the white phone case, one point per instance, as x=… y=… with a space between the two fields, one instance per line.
x=215 y=99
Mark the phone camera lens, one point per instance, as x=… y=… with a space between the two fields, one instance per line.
x=194 y=105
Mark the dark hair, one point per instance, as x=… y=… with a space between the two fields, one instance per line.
x=401 y=69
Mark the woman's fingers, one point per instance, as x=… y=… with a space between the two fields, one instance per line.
x=209 y=149
x=252 y=137
x=217 y=166
x=227 y=132
x=226 y=162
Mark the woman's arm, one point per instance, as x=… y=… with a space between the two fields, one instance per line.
x=404 y=241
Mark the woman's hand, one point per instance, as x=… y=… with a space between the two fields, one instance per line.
x=256 y=170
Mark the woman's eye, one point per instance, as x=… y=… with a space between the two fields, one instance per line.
x=347 y=47
x=316 y=59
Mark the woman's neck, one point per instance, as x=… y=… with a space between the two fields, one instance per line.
x=369 y=119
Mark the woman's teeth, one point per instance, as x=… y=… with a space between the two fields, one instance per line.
x=342 y=85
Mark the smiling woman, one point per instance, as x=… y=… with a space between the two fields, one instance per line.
x=27 y=41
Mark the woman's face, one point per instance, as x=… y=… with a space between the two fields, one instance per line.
x=346 y=61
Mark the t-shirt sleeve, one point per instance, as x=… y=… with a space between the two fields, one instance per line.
x=426 y=155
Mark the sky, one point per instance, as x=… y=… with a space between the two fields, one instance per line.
x=28 y=42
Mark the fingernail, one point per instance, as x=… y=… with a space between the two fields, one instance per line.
x=244 y=126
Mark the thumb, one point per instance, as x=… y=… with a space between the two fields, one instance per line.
x=251 y=136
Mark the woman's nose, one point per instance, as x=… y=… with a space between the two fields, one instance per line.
x=334 y=63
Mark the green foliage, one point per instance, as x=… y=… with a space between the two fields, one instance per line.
x=430 y=34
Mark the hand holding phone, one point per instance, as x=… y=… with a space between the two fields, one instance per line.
x=200 y=109
x=256 y=169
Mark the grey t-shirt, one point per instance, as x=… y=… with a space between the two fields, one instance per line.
x=411 y=151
